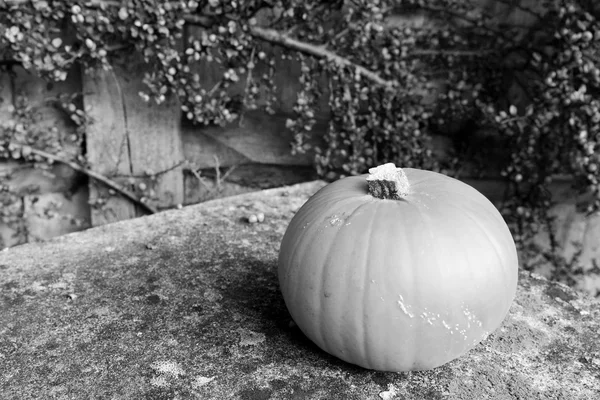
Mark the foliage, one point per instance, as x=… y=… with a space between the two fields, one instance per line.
x=390 y=87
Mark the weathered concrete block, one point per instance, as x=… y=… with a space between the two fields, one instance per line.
x=185 y=304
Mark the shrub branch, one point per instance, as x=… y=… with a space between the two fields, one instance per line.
x=276 y=37
x=95 y=175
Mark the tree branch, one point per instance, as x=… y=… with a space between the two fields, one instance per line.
x=275 y=37
x=101 y=178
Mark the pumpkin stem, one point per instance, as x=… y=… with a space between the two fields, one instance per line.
x=388 y=182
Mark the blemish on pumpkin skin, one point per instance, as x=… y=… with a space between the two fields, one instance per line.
x=337 y=220
x=429 y=317
x=405 y=309
x=471 y=318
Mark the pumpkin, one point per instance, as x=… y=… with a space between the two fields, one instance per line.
x=398 y=270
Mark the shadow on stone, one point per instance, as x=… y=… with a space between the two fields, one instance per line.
x=254 y=293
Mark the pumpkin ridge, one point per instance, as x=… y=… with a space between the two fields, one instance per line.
x=306 y=240
x=415 y=293
x=311 y=229
x=494 y=245
x=292 y=269
x=426 y=221
x=410 y=341
x=365 y=266
x=321 y=291
x=451 y=345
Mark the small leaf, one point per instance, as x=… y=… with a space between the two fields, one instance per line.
x=513 y=110
x=90 y=44
x=123 y=14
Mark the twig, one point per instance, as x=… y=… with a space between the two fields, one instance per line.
x=101 y=178
x=200 y=178
x=340 y=34
x=116 y=47
x=171 y=168
x=218 y=172
x=228 y=172
x=218 y=177
x=150 y=173
x=214 y=88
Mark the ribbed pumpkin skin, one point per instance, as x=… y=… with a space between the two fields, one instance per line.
x=398 y=285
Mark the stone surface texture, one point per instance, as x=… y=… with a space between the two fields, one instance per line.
x=185 y=305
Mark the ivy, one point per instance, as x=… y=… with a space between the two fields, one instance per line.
x=390 y=87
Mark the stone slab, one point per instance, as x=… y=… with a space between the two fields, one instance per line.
x=185 y=304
